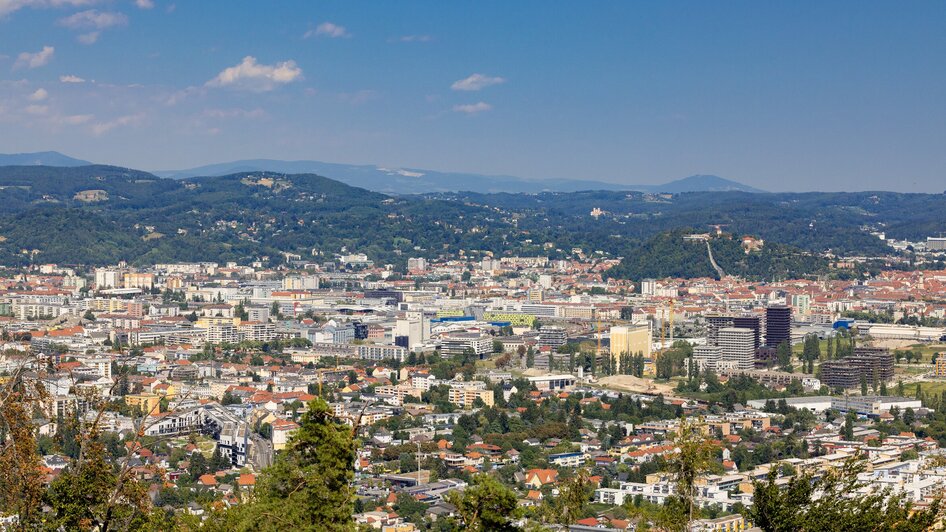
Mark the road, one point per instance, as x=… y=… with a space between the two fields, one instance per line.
x=719 y=271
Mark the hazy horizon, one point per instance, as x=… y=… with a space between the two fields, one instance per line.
x=800 y=97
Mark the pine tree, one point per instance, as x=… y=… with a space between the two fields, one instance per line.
x=784 y=356
x=848 y=432
x=486 y=505
x=310 y=485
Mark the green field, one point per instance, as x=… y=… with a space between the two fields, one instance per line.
x=928 y=387
x=927 y=350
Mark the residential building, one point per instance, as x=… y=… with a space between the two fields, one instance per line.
x=736 y=348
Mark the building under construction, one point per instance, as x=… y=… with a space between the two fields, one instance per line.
x=872 y=365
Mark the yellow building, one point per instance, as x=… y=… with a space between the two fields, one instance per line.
x=205 y=322
x=465 y=397
x=149 y=403
x=514 y=318
x=144 y=281
x=630 y=341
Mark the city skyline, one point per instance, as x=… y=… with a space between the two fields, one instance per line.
x=782 y=98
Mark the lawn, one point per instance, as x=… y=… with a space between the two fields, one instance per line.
x=928 y=387
x=927 y=350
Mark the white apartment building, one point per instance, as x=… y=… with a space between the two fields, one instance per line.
x=736 y=348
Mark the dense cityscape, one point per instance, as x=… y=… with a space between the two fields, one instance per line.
x=427 y=266
x=568 y=392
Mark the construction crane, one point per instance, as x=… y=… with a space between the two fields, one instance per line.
x=663 y=330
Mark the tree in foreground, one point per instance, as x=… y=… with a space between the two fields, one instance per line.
x=835 y=502
x=310 y=485
x=21 y=475
x=485 y=505
x=91 y=494
x=694 y=455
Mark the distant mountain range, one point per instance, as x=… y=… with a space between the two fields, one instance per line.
x=101 y=214
x=40 y=158
x=403 y=180
x=420 y=181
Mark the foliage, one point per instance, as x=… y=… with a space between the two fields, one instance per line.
x=834 y=502
x=310 y=485
x=694 y=452
x=485 y=505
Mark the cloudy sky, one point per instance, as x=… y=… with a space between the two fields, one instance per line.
x=778 y=95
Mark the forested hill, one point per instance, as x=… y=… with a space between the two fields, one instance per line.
x=100 y=214
x=24 y=187
x=103 y=214
x=817 y=221
x=670 y=254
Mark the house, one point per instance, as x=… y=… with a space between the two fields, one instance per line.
x=283 y=429
x=536 y=478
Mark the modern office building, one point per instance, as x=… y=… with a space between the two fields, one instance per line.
x=552 y=336
x=718 y=321
x=935 y=243
x=415 y=327
x=460 y=343
x=706 y=357
x=736 y=348
x=753 y=323
x=714 y=323
x=778 y=325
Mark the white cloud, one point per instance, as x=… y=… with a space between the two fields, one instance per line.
x=75 y=120
x=253 y=76
x=35 y=60
x=89 y=38
x=234 y=113
x=69 y=78
x=358 y=97
x=39 y=95
x=100 y=128
x=94 y=19
x=37 y=109
x=9 y=6
x=472 y=108
x=144 y=4
x=476 y=82
x=415 y=38
x=327 y=29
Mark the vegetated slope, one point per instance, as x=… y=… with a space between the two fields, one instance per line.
x=819 y=222
x=236 y=217
x=100 y=214
x=29 y=186
x=669 y=255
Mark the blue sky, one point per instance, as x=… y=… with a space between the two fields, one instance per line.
x=778 y=95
